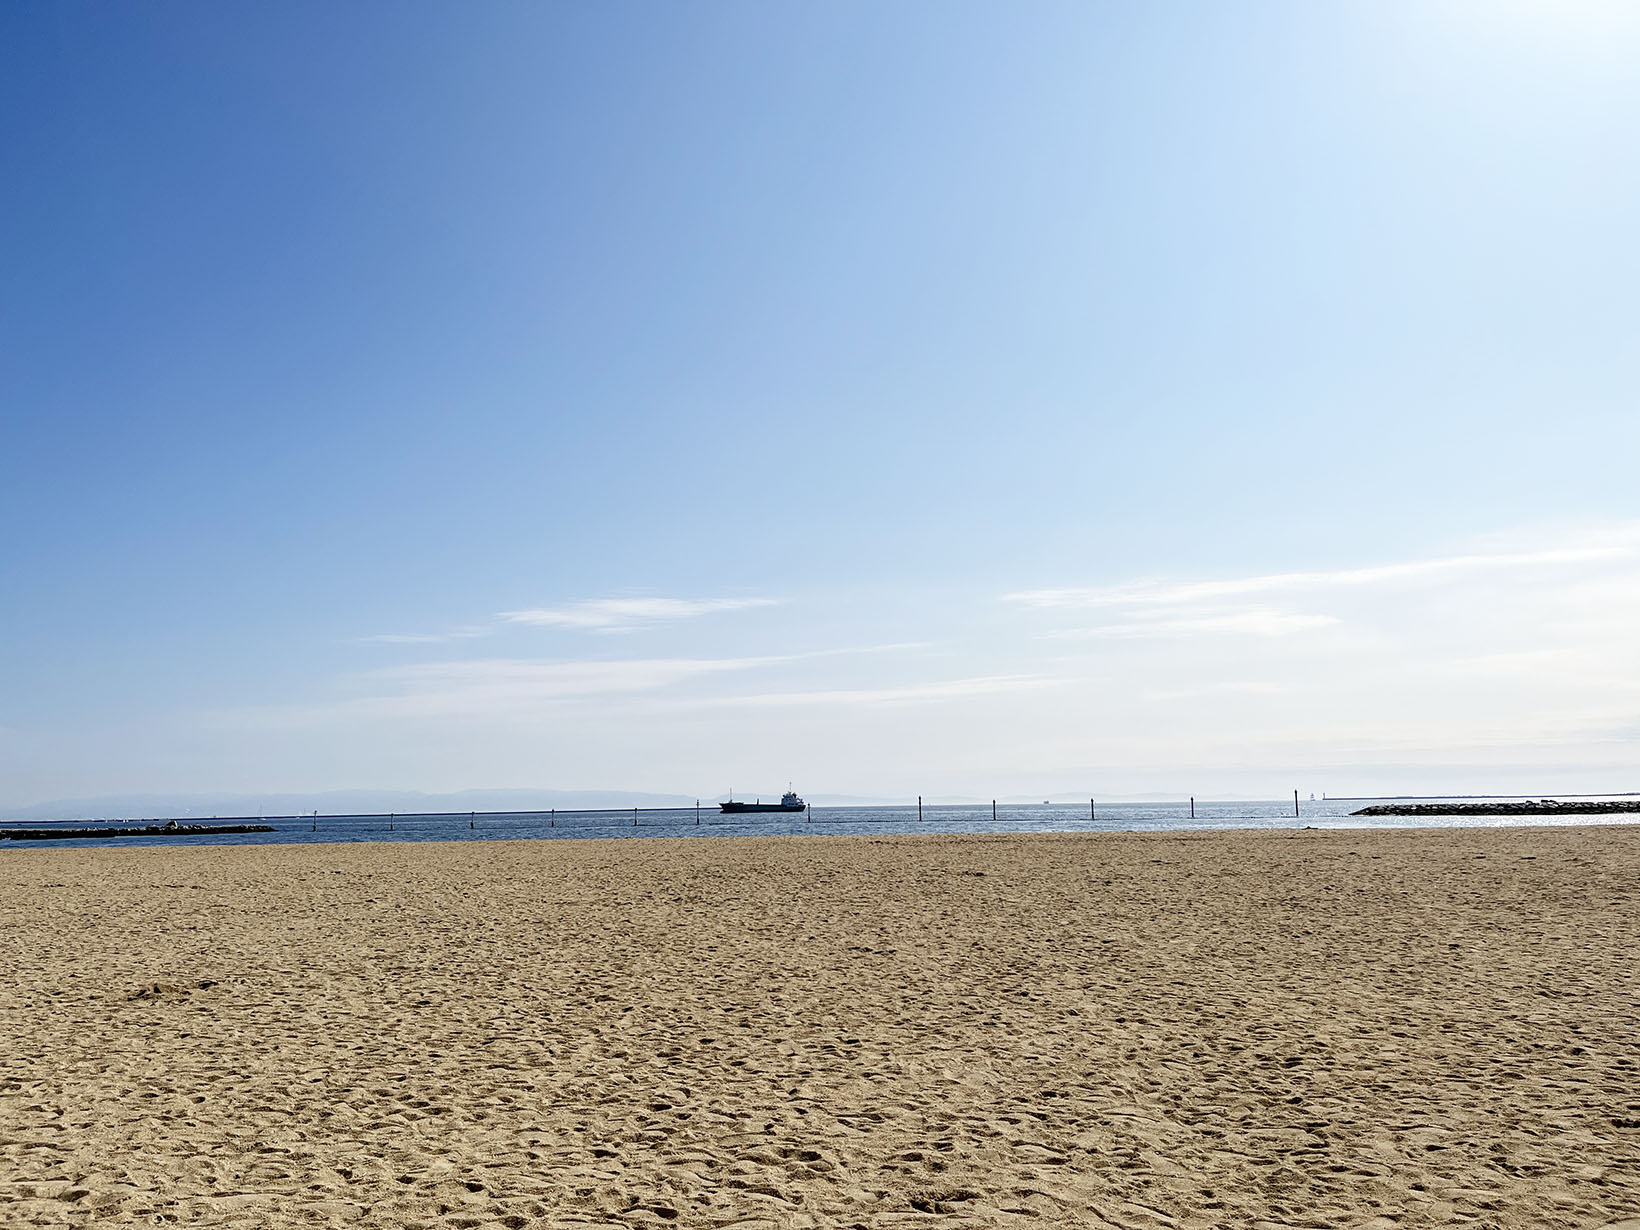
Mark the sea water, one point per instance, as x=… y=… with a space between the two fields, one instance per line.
x=1066 y=817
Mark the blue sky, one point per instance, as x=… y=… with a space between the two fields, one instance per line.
x=684 y=397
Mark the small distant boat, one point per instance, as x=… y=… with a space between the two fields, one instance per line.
x=788 y=802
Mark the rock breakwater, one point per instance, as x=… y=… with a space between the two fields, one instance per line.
x=171 y=829
x=1540 y=807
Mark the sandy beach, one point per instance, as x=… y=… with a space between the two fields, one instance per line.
x=1338 y=1029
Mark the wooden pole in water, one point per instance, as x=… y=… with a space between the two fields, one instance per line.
x=1091 y=816
x=552 y=819
x=1192 y=807
x=1295 y=805
x=389 y=822
x=919 y=809
x=472 y=820
x=697 y=812
x=993 y=810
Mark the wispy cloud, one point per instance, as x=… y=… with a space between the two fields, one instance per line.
x=626 y=614
x=592 y=615
x=490 y=684
x=938 y=690
x=1290 y=604
x=1502 y=654
x=423 y=638
x=503 y=687
x=495 y=688
x=1244 y=687
x=1530 y=664
x=1180 y=593
x=1253 y=621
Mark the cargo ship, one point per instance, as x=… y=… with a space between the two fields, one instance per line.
x=788 y=802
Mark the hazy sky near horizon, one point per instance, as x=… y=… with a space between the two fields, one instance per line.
x=945 y=399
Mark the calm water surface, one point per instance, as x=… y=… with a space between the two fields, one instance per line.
x=820 y=821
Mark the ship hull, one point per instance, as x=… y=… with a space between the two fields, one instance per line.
x=735 y=809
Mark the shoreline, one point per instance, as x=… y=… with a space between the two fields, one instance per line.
x=1359 y=1027
x=189 y=837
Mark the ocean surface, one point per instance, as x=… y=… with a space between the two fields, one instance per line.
x=1070 y=817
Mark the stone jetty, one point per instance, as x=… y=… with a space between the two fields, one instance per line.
x=170 y=829
x=1540 y=807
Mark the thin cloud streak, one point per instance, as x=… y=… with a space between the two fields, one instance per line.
x=499 y=687
x=1529 y=664
x=593 y=615
x=494 y=687
x=626 y=614
x=1250 y=687
x=1173 y=593
x=490 y=684
x=422 y=638
x=1253 y=622
x=947 y=689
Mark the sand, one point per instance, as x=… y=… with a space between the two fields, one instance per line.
x=1384 y=1029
